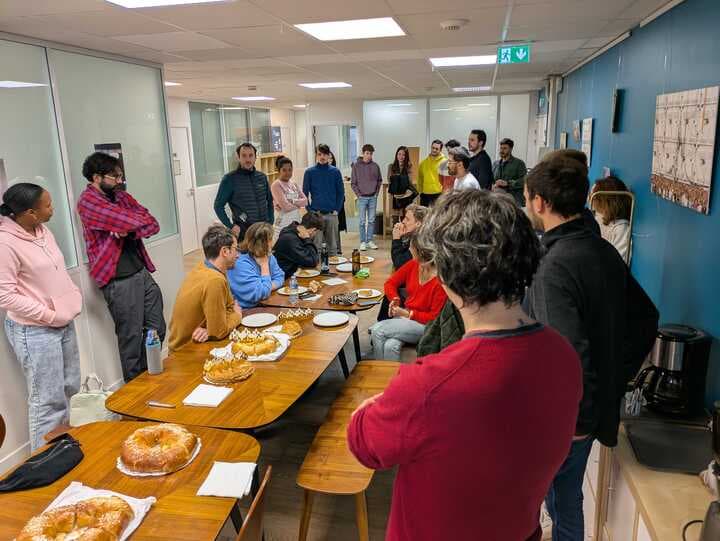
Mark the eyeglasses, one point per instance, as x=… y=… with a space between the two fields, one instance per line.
x=117 y=178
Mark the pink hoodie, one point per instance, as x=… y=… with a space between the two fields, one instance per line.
x=35 y=288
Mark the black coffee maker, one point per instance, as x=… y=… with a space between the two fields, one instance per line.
x=674 y=384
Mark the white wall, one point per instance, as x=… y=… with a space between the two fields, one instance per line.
x=333 y=112
x=514 y=115
x=96 y=341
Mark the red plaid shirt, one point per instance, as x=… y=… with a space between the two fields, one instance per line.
x=100 y=217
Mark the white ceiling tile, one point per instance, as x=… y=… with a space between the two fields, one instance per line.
x=174 y=41
x=211 y=16
x=114 y=22
x=296 y=12
x=484 y=26
x=374 y=45
x=19 y=8
x=272 y=40
x=439 y=9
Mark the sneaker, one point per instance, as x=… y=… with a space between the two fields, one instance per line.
x=363 y=246
x=372 y=245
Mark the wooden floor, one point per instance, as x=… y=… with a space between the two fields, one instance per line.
x=285 y=443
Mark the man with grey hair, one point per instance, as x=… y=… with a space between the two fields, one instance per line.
x=459 y=166
x=459 y=423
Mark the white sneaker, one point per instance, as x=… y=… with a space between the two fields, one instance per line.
x=372 y=245
x=363 y=246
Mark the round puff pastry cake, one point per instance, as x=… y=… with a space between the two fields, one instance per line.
x=94 y=519
x=231 y=369
x=296 y=314
x=253 y=343
x=163 y=448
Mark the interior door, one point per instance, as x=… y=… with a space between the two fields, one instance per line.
x=185 y=188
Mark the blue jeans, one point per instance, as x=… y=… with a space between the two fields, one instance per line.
x=564 y=500
x=389 y=335
x=51 y=363
x=367 y=206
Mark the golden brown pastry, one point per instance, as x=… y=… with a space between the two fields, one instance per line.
x=315 y=286
x=292 y=328
x=296 y=314
x=95 y=519
x=254 y=343
x=163 y=448
x=221 y=371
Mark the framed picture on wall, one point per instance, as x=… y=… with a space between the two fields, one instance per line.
x=576 y=130
x=587 y=130
x=276 y=139
x=684 y=147
x=114 y=150
x=563 y=139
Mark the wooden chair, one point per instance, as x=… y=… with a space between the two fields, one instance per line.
x=252 y=528
x=329 y=466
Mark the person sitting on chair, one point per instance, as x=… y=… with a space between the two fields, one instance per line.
x=295 y=248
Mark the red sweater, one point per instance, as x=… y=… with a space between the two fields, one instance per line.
x=426 y=300
x=478 y=431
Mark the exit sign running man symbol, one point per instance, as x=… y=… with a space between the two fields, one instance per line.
x=513 y=54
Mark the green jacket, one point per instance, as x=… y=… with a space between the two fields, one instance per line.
x=513 y=171
x=444 y=330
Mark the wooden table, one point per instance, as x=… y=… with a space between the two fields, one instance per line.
x=178 y=513
x=380 y=271
x=255 y=402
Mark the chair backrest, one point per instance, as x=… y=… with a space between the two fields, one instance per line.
x=2 y=430
x=252 y=528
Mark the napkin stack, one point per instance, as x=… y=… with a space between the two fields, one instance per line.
x=228 y=479
x=207 y=395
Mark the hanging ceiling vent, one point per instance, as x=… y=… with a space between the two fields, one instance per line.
x=453 y=24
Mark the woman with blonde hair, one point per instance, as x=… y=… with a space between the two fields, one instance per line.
x=256 y=273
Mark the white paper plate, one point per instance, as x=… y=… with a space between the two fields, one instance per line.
x=331 y=319
x=284 y=290
x=338 y=260
x=127 y=471
x=368 y=293
x=262 y=319
x=307 y=273
x=344 y=267
x=364 y=259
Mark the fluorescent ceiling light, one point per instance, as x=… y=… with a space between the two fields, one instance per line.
x=300 y=106
x=478 y=104
x=253 y=98
x=170 y=83
x=156 y=3
x=438 y=110
x=450 y=61
x=233 y=108
x=337 y=84
x=471 y=88
x=383 y=27
x=18 y=84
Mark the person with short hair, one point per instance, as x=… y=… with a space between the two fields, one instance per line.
x=365 y=181
x=40 y=302
x=204 y=307
x=256 y=273
x=114 y=226
x=446 y=179
x=400 y=249
x=612 y=212
x=509 y=172
x=461 y=424
x=480 y=163
x=408 y=315
x=247 y=192
x=459 y=167
x=288 y=198
x=584 y=290
x=295 y=248
x=323 y=186
x=428 y=182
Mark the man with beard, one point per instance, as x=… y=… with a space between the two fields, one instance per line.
x=114 y=224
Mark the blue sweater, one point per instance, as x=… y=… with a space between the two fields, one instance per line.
x=248 y=286
x=323 y=186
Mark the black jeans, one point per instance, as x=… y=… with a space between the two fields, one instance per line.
x=136 y=305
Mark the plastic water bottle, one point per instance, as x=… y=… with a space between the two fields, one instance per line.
x=293 y=291
x=153 y=352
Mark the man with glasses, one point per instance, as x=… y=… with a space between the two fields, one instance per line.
x=114 y=224
x=204 y=307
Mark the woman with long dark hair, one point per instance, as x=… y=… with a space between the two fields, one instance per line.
x=41 y=302
x=401 y=189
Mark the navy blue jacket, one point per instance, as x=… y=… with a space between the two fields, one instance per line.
x=323 y=186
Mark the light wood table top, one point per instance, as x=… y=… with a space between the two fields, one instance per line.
x=255 y=402
x=329 y=466
x=178 y=514
x=380 y=271
x=667 y=501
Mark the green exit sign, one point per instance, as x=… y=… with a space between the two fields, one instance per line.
x=513 y=54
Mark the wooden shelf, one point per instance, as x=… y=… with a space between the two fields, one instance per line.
x=266 y=164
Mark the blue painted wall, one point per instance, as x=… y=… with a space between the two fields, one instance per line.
x=676 y=253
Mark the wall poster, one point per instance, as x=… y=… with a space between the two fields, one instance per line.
x=587 y=130
x=576 y=130
x=563 y=139
x=684 y=147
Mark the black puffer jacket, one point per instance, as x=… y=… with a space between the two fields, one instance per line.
x=249 y=196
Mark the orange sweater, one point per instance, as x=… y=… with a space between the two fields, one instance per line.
x=204 y=300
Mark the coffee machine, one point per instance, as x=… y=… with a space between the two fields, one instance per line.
x=674 y=383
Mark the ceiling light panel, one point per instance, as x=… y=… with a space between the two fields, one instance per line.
x=18 y=84
x=156 y=3
x=170 y=83
x=337 y=84
x=383 y=27
x=471 y=88
x=458 y=61
x=253 y=98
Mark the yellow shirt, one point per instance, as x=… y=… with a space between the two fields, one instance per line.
x=428 y=176
x=204 y=300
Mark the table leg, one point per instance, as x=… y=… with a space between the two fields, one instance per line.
x=343 y=363
x=306 y=514
x=236 y=516
x=361 y=516
x=356 y=343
